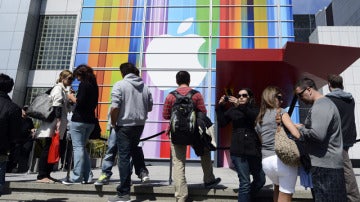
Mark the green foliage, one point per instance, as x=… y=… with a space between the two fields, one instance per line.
x=96 y=148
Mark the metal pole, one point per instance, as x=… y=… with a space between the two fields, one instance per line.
x=30 y=162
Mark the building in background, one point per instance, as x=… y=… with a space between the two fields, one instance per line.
x=39 y=38
x=339 y=24
x=304 y=25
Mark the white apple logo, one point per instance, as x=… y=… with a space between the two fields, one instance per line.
x=169 y=52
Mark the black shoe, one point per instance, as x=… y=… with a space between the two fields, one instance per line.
x=144 y=176
x=213 y=183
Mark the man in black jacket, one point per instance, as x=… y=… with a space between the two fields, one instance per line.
x=10 y=120
x=346 y=106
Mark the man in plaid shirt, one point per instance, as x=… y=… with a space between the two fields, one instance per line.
x=178 y=152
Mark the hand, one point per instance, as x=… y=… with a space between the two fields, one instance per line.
x=298 y=125
x=222 y=100
x=33 y=133
x=278 y=118
x=234 y=101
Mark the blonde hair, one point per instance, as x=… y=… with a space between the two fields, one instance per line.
x=63 y=75
x=268 y=101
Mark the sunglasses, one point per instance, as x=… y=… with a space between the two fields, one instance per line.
x=301 y=93
x=70 y=78
x=243 y=95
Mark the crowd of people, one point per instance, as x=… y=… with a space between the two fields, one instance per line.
x=326 y=135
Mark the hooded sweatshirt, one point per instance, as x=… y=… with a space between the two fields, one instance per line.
x=345 y=103
x=134 y=100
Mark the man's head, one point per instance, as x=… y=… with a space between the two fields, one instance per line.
x=335 y=81
x=127 y=68
x=306 y=90
x=6 y=83
x=183 y=77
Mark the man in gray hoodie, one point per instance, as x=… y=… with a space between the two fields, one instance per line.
x=345 y=103
x=131 y=101
x=322 y=138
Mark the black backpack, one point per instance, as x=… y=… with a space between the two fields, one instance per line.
x=183 y=119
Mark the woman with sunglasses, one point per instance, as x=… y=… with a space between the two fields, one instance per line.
x=283 y=176
x=245 y=148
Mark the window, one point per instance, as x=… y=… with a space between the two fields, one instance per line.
x=54 y=42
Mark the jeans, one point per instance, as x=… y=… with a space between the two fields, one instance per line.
x=329 y=184
x=80 y=133
x=246 y=165
x=127 y=139
x=2 y=175
x=137 y=161
x=110 y=154
x=352 y=189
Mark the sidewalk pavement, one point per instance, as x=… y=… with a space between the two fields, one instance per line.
x=159 y=177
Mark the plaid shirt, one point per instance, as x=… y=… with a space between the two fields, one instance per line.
x=170 y=100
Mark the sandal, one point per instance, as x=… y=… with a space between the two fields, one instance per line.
x=45 y=180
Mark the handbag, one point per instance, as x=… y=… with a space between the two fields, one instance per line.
x=54 y=150
x=41 y=107
x=96 y=133
x=286 y=148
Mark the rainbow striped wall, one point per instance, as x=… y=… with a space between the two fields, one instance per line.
x=164 y=36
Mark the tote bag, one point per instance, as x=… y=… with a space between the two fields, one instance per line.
x=41 y=107
x=286 y=148
x=54 y=150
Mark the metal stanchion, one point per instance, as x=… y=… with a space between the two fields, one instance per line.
x=64 y=160
x=30 y=162
x=170 y=170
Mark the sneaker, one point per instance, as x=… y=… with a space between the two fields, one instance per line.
x=89 y=180
x=144 y=176
x=213 y=183
x=68 y=182
x=102 y=180
x=116 y=198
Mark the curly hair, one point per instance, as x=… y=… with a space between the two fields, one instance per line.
x=86 y=73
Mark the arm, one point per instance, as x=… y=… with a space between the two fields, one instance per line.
x=321 y=118
x=14 y=123
x=220 y=114
x=169 y=102
x=286 y=120
x=199 y=102
x=114 y=115
x=150 y=102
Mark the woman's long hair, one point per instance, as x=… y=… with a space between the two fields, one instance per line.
x=268 y=101
x=86 y=73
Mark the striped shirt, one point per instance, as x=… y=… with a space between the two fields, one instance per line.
x=170 y=100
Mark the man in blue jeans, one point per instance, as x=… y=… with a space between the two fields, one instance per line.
x=138 y=160
x=131 y=100
x=10 y=120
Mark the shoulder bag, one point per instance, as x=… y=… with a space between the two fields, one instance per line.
x=286 y=148
x=41 y=107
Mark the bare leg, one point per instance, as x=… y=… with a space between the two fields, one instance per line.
x=283 y=197
x=276 y=193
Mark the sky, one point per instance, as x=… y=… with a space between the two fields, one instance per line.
x=309 y=6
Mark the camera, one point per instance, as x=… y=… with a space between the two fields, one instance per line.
x=226 y=98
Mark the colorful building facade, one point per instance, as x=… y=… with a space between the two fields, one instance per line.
x=164 y=36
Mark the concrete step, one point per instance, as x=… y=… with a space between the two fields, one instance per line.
x=24 y=184
x=159 y=191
